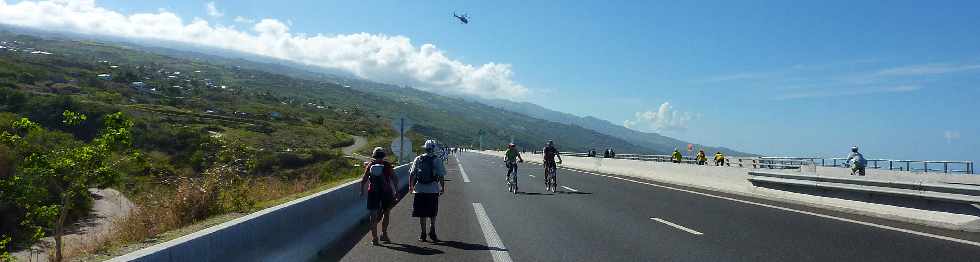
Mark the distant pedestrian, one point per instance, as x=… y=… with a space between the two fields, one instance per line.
x=857 y=161
x=381 y=184
x=426 y=181
x=592 y=153
x=701 y=158
x=676 y=157
x=605 y=154
x=612 y=154
x=719 y=159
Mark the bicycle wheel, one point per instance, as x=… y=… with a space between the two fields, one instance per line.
x=554 y=180
x=514 y=177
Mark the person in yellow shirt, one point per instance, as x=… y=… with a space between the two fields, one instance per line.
x=719 y=159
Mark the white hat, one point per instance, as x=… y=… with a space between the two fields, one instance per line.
x=430 y=145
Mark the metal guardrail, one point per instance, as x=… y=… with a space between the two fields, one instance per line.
x=966 y=167
x=927 y=166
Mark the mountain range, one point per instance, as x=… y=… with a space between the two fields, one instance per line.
x=454 y=119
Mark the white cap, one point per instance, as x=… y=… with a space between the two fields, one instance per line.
x=430 y=145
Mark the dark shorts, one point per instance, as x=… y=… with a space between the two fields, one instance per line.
x=858 y=170
x=380 y=200
x=425 y=205
x=551 y=164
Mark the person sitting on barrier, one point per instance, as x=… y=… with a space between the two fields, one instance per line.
x=857 y=161
x=426 y=181
x=701 y=159
x=676 y=157
x=605 y=154
x=381 y=183
x=612 y=154
x=592 y=153
x=719 y=159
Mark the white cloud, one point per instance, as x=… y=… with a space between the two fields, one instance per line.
x=392 y=59
x=845 y=78
x=951 y=135
x=244 y=20
x=629 y=123
x=664 y=119
x=855 y=91
x=744 y=76
x=925 y=69
x=213 y=10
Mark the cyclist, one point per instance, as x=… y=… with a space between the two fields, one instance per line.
x=511 y=158
x=550 y=153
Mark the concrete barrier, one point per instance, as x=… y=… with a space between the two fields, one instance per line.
x=953 y=194
x=294 y=231
x=959 y=189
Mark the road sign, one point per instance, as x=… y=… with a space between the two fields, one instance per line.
x=396 y=149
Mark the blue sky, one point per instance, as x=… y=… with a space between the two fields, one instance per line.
x=898 y=78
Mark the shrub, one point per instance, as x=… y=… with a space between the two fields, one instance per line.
x=6 y=162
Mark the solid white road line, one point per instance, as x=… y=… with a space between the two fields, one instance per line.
x=497 y=249
x=531 y=175
x=688 y=230
x=957 y=240
x=569 y=188
x=461 y=171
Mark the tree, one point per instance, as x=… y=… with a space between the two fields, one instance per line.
x=64 y=172
x=4 y=255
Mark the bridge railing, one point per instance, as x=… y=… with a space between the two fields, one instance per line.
x=654 y=158
x=798 y=163
x=928 y=166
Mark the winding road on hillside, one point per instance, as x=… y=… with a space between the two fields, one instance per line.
x=359 y=142
x=599 y=217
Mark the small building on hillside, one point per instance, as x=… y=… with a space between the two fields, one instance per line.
x=138 y=85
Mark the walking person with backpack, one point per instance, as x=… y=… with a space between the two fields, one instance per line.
x=381 y=184
x=426 y=181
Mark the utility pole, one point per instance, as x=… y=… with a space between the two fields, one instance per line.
x=481 y=139
x=401 y=149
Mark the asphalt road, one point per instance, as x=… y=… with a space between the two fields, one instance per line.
x=602 y=218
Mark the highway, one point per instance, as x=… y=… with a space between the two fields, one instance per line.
x=609 y=218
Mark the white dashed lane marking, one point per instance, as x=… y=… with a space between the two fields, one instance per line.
x=496 y=246
x=685 y=229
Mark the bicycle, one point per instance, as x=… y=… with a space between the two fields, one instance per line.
x=512 y=177
x=551 y=178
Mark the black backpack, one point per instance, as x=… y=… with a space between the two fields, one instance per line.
x=425 y=171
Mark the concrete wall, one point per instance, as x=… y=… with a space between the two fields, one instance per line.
x=294 y=231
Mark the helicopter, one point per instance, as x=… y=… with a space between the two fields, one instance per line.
x=463 y=19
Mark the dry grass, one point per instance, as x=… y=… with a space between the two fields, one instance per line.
x=183 y=201
x=84 y=245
